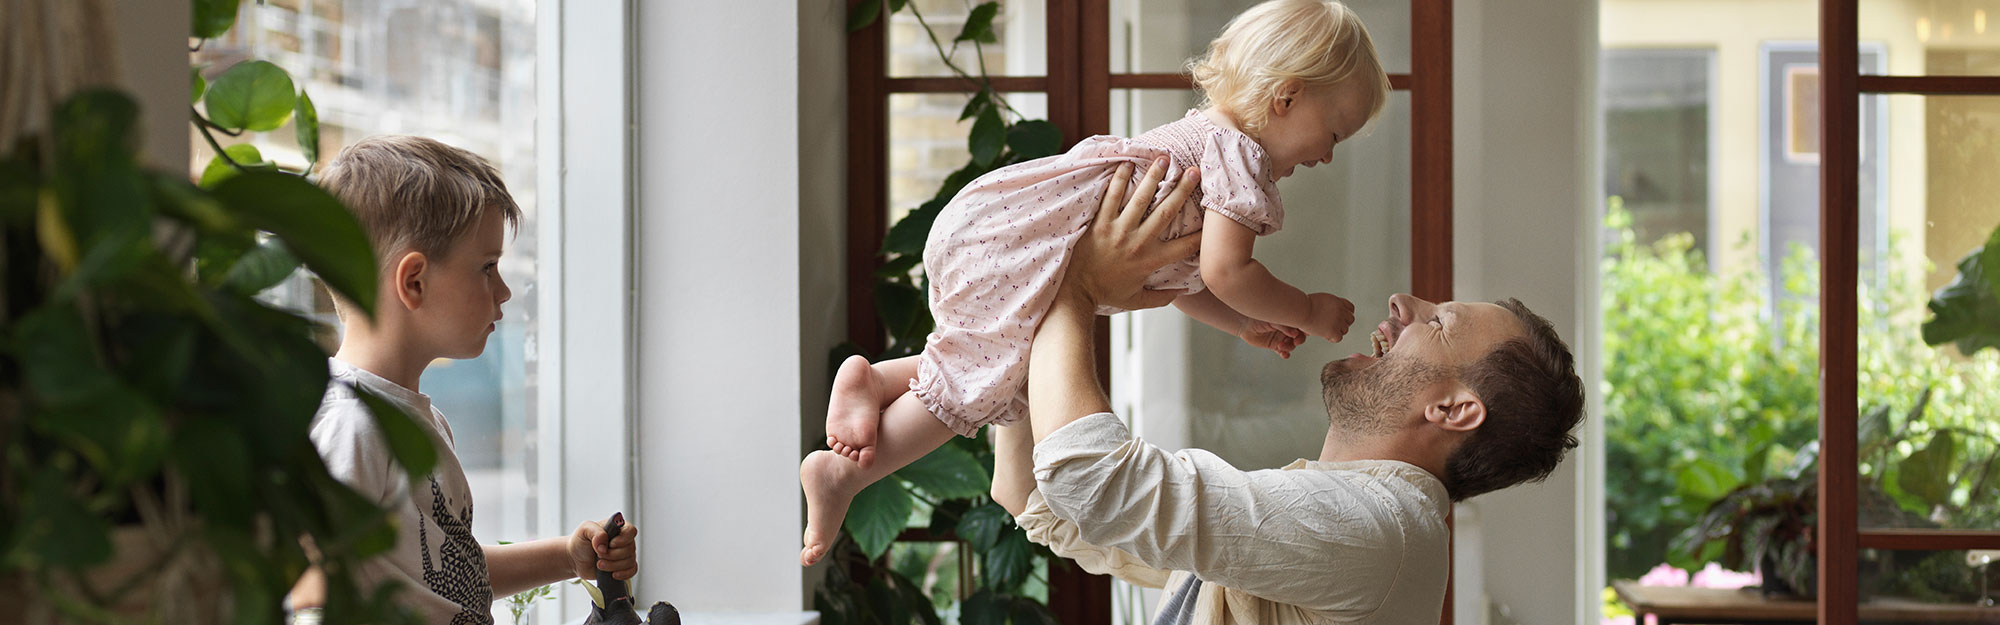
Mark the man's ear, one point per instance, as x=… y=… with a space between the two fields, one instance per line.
x=406 y=279
x=1457 y=409
x=1287 y=97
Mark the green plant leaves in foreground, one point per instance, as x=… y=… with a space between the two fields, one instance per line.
x=252 y=95
x=949 y=472
x=212 y=18
x=407 y=440
x=245 y=155
x=306 y=122
x=1966 y=312
x=313 y=225
x=877 y=515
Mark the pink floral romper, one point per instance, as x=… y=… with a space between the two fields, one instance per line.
x=998 y=250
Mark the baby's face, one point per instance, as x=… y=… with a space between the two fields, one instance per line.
x=1305 y=132
x=463 y=305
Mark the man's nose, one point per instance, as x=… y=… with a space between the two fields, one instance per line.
x=1404 y=307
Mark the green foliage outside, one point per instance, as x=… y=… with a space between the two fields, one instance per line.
x=1708 y=387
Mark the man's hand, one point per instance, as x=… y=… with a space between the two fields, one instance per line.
x=591 y=549
x=1122 y=246
x=1329 y=316
x=1278 y=338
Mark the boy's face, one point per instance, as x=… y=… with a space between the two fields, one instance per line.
x=464 y=291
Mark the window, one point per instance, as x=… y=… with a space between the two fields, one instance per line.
x=1657 y=138
x=462 y=72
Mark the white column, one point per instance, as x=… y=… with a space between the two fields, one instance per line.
x=1525 y=110
x=718 y=306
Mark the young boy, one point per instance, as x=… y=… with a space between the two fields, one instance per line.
x=437 y=216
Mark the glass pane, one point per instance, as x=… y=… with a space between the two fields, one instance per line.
x=462 y=72
x=1019 y=48
x=1933 y=37
x=1347 y=232
x=1929 y=436
x=1709 y=332
x=1929 y=586
x=927 y=142
x=1160 y=36
x=1657 y=128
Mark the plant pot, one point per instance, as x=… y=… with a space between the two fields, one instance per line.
x=184 y=588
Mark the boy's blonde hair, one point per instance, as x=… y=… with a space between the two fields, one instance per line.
x=416 y=194
x=1318 y=42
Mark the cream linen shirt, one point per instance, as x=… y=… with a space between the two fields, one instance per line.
x=1314 y=542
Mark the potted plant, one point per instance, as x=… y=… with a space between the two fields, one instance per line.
x=154 y=458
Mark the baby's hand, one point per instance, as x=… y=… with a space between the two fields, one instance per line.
x=1278 y=338
x=1328 y=316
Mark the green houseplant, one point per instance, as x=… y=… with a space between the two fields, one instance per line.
x=941 y=498
x=148 y=397
x=154 y=463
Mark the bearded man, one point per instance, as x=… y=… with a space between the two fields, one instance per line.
x=1459 y=399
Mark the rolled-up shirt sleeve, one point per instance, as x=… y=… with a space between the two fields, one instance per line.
x=1305 y=538
x=1060 y=536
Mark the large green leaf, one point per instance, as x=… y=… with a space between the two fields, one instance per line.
x=1008 y=563
x=121 y=433
x=56 y=529
x=313 y=225
x=408 y=441
x=1702 y=479
x=262 y=267
x=305 y=120
x=213 y=17
x=212 y=457
x=1967 y=311
x=245 y=155
x=980 y=527
x=863 y=14
x=877 y=514
x=1927 y=473
x=1034 y=139
x=900 y=305
x=197 y=85
x=58 y=357
x=983 y=608
x=251 y=95
x=979 y=24
x=909 y=234
x=948 y=472
x=989 y=134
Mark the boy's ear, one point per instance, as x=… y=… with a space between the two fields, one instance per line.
x=1456 y=409
x=407 y=280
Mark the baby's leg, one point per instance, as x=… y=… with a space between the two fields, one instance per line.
x=830 y=481
x=860 y=393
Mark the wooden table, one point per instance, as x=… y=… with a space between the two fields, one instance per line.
x=1720 y=606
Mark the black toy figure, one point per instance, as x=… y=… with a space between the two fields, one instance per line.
x=617 y=607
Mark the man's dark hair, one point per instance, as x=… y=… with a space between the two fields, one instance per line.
x=1534 y=400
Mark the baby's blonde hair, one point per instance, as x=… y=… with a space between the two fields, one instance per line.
x=1318 y=42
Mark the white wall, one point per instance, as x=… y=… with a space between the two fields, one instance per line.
x=1525 y=227
x=718 y=296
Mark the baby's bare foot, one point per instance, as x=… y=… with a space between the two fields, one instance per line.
x=854 y=411
x=829 y=482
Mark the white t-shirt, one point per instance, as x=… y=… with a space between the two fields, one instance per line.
x=441 y=569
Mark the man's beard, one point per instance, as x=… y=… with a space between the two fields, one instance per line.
x=1368 y=401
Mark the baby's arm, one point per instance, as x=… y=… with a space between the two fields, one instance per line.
x=1248 y=287
x=1207 y=308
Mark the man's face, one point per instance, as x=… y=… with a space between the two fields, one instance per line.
x=466 y=291
x=1419 y=344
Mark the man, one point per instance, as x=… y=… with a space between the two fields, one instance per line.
x=1460 y=399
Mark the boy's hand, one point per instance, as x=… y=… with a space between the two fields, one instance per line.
x=591 y=549
x=1328 y=316
x=1278 y=338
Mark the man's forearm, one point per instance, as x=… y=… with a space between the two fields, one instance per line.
x=1062 y=368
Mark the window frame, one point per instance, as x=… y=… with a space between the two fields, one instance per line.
x=1840 y=536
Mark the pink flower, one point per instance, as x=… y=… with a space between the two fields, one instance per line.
x=1664 y=575
x=1714 y=576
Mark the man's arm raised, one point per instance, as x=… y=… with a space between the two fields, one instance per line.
x=1108 y=266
